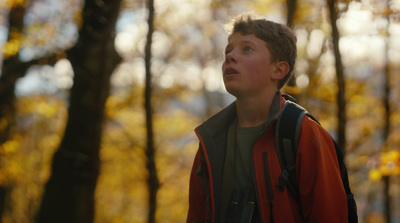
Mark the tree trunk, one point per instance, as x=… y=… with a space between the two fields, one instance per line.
x=291 y=7
x=341 y=100
x=386 y=128
x=8 y=78
x=69 y=193
x=13 y=69
x=152 y=180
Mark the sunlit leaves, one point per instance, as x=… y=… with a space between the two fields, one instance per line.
x=25 y=158
x=14 y=3
x=187 y=49
x=375 y=175
x=269 y=6
x=9 y=147
x=9 y=170
x=389 y=165
x=12 y=47
x=121 y=192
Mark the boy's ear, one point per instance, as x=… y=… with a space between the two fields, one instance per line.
x=281 y=70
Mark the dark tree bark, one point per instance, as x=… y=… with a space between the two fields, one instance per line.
x=291 y=6
x=3 y=193
x=152 y=180
x=341 y=100
x=12 y=69
x=386 y=128
x=69 y=193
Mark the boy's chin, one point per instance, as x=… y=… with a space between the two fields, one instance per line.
x=233 y=91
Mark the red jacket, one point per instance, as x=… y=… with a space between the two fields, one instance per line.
x=322 y=196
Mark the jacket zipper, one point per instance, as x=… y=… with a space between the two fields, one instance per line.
x=268 y=185
x=255 y=189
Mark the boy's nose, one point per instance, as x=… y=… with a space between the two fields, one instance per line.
x=229 y=58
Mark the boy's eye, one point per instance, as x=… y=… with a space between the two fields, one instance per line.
x=247 y=48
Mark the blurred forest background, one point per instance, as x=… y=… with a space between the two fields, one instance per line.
x=99 y=99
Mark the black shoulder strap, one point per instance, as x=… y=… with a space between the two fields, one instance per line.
x=351 y=202
x=286 y=140
x=286 y=133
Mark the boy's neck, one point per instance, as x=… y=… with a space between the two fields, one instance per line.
x=253 y=111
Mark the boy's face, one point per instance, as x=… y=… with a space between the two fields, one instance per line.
x=248 y=69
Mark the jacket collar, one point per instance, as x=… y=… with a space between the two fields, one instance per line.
x=219 y=122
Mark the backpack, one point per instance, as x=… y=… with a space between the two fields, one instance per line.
x=287 y=137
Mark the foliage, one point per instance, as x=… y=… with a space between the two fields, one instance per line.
x=188 y=46
x=26 y=157
x=121 y=190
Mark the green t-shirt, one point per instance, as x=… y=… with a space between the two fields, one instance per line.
x=245 y=138
x=238 y=163
x=238 y=172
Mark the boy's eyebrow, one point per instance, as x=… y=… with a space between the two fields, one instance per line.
x=240 y=42
x=246 y=41
x=243 y=41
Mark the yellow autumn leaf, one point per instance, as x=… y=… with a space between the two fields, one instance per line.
x=3 y=123
x=11 y=47
x=9 y=146
x=375 y=175
x=50 y=141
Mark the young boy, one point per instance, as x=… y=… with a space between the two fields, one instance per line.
x=236 y=168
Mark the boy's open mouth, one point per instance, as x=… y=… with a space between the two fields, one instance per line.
x=230 y=70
